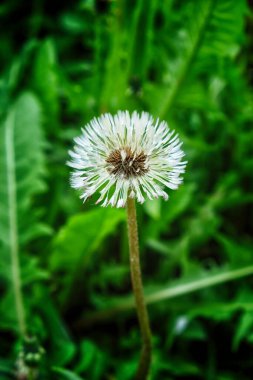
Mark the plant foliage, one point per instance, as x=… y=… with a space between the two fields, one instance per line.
x=64 y=271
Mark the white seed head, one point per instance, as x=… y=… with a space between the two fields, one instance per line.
x=126 y=155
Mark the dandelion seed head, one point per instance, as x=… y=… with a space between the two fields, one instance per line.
x=126 y=163
x=126 y=155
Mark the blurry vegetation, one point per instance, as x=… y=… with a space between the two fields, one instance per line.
x=189 y=62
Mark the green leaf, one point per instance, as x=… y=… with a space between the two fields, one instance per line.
x=45 y=82
x=180 y=289
x=215 y=30
x=6 y=370
x=243 y=330
x=180 y=367
x=82 y=235
x=80 y=238
x=62 y=348
x=237 y=253
x=153 y=208
x=199 y=284
x=65 y=374
x=90 y=354
x=140 y=40
x=21 y=172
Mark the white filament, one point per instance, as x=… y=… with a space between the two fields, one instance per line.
x=140 y=134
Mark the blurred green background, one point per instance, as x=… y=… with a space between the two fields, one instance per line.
x=190 y=63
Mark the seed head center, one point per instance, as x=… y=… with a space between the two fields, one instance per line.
x=127 y=163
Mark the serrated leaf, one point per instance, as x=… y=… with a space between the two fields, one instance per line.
x=22 y=166
x=214 y=31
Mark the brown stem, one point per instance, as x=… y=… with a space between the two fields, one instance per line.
x=145 y=359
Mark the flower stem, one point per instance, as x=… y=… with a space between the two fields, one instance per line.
x=145 y=359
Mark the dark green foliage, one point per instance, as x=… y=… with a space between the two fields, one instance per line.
x=190 y=63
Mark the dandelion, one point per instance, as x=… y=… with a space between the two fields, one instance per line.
x=123 y=158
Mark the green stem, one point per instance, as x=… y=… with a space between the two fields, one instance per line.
x=14 y=244
x=145 y=359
